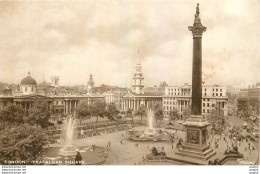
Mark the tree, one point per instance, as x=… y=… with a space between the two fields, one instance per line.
x=141 y=111
x=83 y=110
x=39 y=113
x=12 y=114
x=112 y=111
x=98 y=109
x=216 y=116
x=186 y=112
x=158 y=112
x=22 y=143
x=173 y=115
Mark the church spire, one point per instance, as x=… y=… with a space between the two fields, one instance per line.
x=137 y=86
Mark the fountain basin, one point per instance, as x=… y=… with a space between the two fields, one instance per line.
x=149 y=135
x=68 y=151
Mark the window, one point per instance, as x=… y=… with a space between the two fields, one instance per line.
x=203 y=110
x=203 y=104
x=220 y=94
x=208 y=104
x=217 y=90
x=32 y=89
x=205 y=94
x=213 y=89
x=57 y=102
x=25 y=89
x=208 y=111
x=213 y=94
x=216 y=94
x=213 y=105
x=220 y=90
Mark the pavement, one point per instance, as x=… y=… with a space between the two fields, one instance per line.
x=125 y=152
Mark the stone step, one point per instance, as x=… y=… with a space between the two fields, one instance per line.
x=196 y=155
x=203 y=154
x=195 y=148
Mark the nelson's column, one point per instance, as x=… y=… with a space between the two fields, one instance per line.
x=195 y=148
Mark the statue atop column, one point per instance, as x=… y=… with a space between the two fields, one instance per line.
x=197 y=28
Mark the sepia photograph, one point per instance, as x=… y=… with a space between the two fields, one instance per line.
x=129 y=82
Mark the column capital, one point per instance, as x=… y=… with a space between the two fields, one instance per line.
x=197 y=29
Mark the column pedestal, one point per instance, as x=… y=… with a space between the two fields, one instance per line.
x=195 y=148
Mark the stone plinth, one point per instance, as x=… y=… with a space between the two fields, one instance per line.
x=195 y=147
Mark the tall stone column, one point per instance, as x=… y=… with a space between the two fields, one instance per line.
x=70 y=106
x=197 y=30
x=195 y=146
x=67 y=107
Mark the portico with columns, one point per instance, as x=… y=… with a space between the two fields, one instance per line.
x=133 y=102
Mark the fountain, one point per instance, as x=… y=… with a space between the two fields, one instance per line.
x=69 y=149
x=149 y=133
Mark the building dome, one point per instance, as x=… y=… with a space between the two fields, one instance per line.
x=28 y=80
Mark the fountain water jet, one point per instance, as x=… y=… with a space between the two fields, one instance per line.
x=69 y=149
x=150 y=131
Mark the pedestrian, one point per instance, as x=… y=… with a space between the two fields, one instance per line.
x=78 y=159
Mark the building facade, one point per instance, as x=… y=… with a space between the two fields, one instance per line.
x=138 y=96
x=249 y=102
x=59 y=100
x=115 y=96
x=179 y=98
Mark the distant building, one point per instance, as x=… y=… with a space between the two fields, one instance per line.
x=232 y=91
x=60 y=101
x=91 y=85
x=179 y=98
x=115 y=96
x=138 y=96
x=249 y=102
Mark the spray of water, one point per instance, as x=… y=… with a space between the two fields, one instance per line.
x=150 y=115
x=69 y=131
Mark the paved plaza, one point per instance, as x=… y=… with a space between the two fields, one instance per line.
x=126 y=152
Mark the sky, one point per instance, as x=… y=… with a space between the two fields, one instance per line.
x=75 y=39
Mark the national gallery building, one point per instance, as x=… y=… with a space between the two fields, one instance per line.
x=60 y=100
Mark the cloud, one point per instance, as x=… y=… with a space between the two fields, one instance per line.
x=75 y=39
